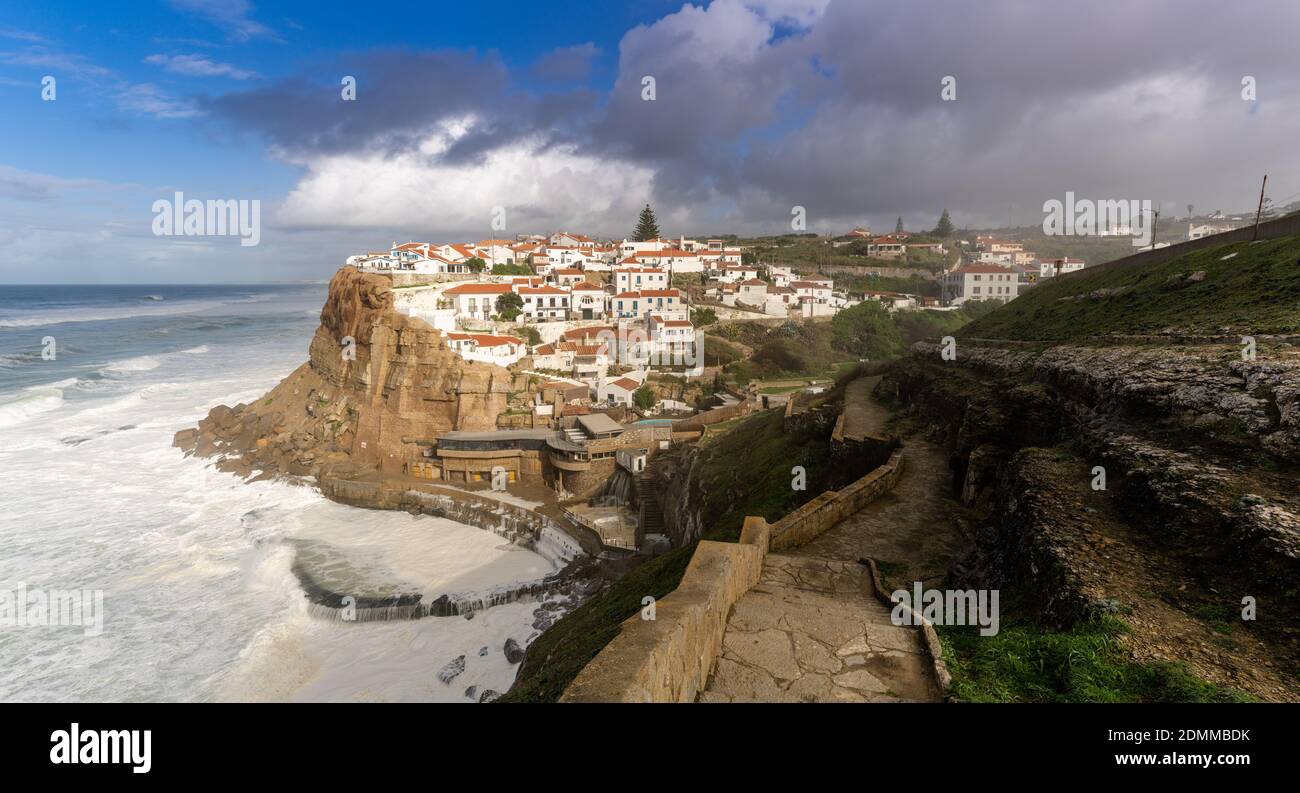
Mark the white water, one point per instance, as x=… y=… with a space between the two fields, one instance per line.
x=200 y=600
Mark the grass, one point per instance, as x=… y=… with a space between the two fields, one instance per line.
x=1087 y=663
x=1255 y=291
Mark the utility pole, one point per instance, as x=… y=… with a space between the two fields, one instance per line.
x=1260 y=210
x=1155 y=218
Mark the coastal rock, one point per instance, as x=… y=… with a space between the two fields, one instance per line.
x=489 y=696
x=514 y=653
x=377 y=383
x=452 y=670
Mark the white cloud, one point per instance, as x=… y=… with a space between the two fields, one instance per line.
x=540 y=187
x=150 y=100
x=232 y=16
x=199 y=66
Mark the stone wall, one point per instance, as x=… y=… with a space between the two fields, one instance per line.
x=670 y=658
x=833 y=506
x=701 y=420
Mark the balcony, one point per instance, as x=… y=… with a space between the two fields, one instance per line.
x=566 y=463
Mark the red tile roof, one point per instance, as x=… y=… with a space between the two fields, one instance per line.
x=479 y=289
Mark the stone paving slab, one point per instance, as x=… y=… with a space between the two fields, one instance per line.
x=809 y=631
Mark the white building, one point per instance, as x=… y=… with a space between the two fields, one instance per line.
x=1195 y=232
x=979 y=282
x=544 y=303
x=812 y=291
x=751 y=292
x=476 y=301
x=487 y=348
x=637 y=305
x=588 y=301
x=671 y=260
x=1050 y=267
x=634 y=279
x=617 y=392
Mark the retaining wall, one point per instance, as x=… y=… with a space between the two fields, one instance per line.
x=670 y=658
x=833 y=506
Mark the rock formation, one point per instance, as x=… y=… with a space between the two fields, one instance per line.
x=376 y=385
x=1151 y=481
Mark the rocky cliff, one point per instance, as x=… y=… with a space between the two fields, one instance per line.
x=376 y=384
x=1152 y=481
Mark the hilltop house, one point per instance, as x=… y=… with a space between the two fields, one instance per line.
x=979 y=282
x=542 y=303
x=485 y=347
x=475 y=300
x=588 y=301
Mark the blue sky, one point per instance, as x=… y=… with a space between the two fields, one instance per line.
x=536 y=107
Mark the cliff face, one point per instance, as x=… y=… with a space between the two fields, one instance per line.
x=1153 y=482
x=376 y=384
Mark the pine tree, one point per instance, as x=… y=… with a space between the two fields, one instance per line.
x=898 y=227
x=945 y=227
x=647 y=227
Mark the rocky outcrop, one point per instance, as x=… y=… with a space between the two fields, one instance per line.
x=376 y=384
x=1209 y=390
x=1156 y=483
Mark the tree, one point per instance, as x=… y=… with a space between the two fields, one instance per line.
x=509 y=305
x=867 y=331
x=644 y=397
x=530 y=335
x=511 y=269
x=898 y=227
x=703 y=316
x=945 y=227
x=647 y=227
x=476 y=265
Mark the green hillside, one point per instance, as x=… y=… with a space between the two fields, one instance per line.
x=1240 y=288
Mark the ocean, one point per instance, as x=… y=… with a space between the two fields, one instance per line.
x=195 y=566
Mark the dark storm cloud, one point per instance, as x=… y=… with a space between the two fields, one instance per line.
x=762 y=106
x=399 y=94
x=566 y=64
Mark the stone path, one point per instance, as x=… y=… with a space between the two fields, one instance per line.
x=810 y=630
x=863 y=417
x=911 y=530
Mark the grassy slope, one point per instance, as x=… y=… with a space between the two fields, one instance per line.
x=761 y=486
x=1086 y=663
x=1256 y=291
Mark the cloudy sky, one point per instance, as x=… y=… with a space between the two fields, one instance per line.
x=535 y=112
